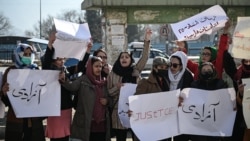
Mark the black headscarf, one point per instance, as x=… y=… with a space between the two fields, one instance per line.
x=125 y=72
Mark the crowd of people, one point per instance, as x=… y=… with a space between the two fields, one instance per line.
x=94 y=95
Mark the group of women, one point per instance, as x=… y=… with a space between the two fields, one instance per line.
x=98 y=89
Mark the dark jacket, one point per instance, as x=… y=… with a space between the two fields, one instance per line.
x=15 y=127
x=66 y=96
x=86 y=101
x=214 y=84
x=149 y=85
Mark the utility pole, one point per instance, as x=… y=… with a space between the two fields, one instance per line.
x=40 y=19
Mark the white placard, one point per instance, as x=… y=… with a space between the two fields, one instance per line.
x=71 y=39
x=127 y=90
x=154 y=115
x=34 y=93
x=246 y=102
x=209 y=113
x=205 y=22
x=241 y=39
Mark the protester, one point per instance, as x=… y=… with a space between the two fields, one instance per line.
x=179 y=77
x=91 y=121
x=241 y=133
x=21 y=129
x=157 y=80
x=207 y=80
x=124 y=71
x=219 y=55
x=106 y=67
x=58 y=127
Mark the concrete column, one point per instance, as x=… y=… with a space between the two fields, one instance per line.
x=114 y=39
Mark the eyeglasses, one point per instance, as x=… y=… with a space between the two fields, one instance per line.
x=205 y=54
x=103 y=57
x=174 y=65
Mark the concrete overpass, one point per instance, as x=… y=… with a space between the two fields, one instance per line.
x=117 y=14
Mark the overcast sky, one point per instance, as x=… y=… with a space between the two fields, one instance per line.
x=24 y=14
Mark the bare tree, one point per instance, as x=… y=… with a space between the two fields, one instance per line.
x=93 y=17
x=48 y=23
x=5 y=24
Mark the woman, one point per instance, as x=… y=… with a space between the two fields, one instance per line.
x=106 y=67
x=179 y=77
x=241 y=133
x=157 y=80
x=124 y=71
x=208 y=54
x=207 y=80
x=21 y=129
x=91 y=121
x=58 y=127
x=219 y=56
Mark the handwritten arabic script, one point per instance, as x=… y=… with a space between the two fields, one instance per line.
x=28 y=95
x=205 y=22
x=206 y=113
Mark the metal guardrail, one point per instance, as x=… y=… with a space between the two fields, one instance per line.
x=6 y=57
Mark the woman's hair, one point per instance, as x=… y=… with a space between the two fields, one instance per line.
x=99 y=50
x=95 y=59
x=179 y=59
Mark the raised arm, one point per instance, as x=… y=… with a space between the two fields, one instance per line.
x=143 y=60
x=48 y=56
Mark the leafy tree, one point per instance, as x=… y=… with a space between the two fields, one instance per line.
x=93 y=18
x=5 y=24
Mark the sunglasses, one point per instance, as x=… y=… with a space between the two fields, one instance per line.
x=102 y=57
x=205 y=54
x=174 y=65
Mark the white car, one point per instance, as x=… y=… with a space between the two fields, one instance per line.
x=137 y=47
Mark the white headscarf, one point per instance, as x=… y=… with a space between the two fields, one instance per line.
x=175 y=78
x=18 y=53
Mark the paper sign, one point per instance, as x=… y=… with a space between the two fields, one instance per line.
x=241 y=39
x=154 y=115
x=205 y=22
x=209 y=113
x=246 y=102
x=127 y=90
x=34 y=93
x=71 y=39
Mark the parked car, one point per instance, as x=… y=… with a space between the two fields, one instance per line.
x=137 y=47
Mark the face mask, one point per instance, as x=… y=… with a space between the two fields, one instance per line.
x=26 y=60
x=207 y=75
x=247 y=67
x=162 y=72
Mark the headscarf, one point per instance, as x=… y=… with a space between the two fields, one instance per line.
x=125 y=72
x=243 y=71
x=175 y=78
x=18 y=54
x=214 y=75
x=98 y=82
x=213 y=51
